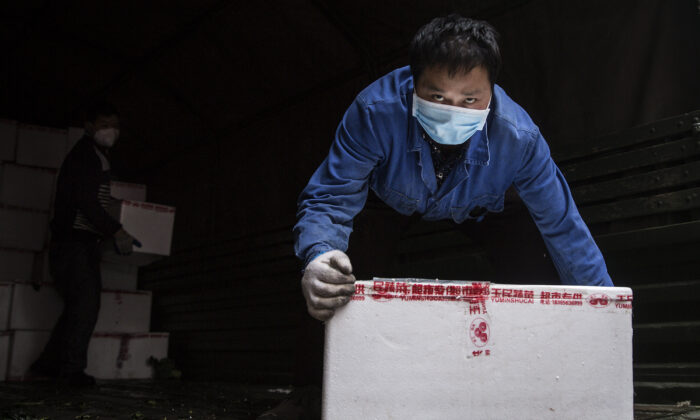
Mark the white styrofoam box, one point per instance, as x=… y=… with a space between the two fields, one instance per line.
x=128 y=191
x=34 y=309
x=41 y=146
x=118 y=276
x=125 y=356
x=5 y=304
x=23 y=229
x=137 y=259
x=25 y=348
x=110 y=356
x=124 y=311
x=151 y=224
x=440 y=350
x=74 y=134
x=4 y=353
x=120 y=311
x=8 y=139
x=27 y=187
x=16 y=265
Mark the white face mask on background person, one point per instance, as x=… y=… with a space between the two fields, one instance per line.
x=106 y=137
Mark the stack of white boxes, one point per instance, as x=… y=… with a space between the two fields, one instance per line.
x=29 y=304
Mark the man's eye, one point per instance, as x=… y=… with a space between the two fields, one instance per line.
x=470 y=101
x=438 y=98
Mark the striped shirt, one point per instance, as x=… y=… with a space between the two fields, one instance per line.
x=104 y=196
x=82 y=195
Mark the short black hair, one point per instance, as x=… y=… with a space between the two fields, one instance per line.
x=100 y=109
x=456 y=43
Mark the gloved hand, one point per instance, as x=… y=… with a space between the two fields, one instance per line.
x=327 y=284
x=124 y=243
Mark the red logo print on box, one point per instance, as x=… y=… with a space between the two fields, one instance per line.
x=599 y=300
x=479 y=332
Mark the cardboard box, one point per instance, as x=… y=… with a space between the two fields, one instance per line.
x=110 y=356
x=16 y=265
x=118 y=276
x=4 y=353
x=439 y=350
x=27 y=187
x=120 y=311
x=5 y=304
x=23 y=229
x=74 y=134
x=44 y=147
x=151 y=224
x=8 y=140
x=125 y=356
x=128 y=191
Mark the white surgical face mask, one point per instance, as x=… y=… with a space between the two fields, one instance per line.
x=106 y=137
x=448 y=124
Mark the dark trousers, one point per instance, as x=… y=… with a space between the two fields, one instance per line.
x=75 y=268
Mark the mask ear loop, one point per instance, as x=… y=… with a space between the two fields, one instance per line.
x=413 y=104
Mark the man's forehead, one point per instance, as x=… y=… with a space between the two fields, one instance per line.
x=438 y=78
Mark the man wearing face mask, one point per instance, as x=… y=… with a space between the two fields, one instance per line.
x=441 y=139
x=79 y=225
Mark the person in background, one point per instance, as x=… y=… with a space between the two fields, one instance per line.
x=79 y=225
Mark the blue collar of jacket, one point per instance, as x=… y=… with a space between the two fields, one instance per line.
x=478 y=151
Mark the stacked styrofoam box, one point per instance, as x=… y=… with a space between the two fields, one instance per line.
x=121 y=311
x=5 y=337
x=29 y=156
x=29 y=304
x=5 y=301
x=74 y=134
x=110 y=355
x=42 y=147
x=116 y=276
x=123 y=314
x=121 y=343
x=130 y=352
x=23 y=230
x=121 y=331
x=454 y=350
x=27 y=187
x=5 y=307
x=16 y=265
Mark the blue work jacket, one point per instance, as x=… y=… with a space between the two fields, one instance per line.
x=379 y=145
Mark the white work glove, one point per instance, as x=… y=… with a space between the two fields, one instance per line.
x=327 y=284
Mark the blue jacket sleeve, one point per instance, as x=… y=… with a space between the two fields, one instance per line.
x=337 y=191
x=546 y=194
